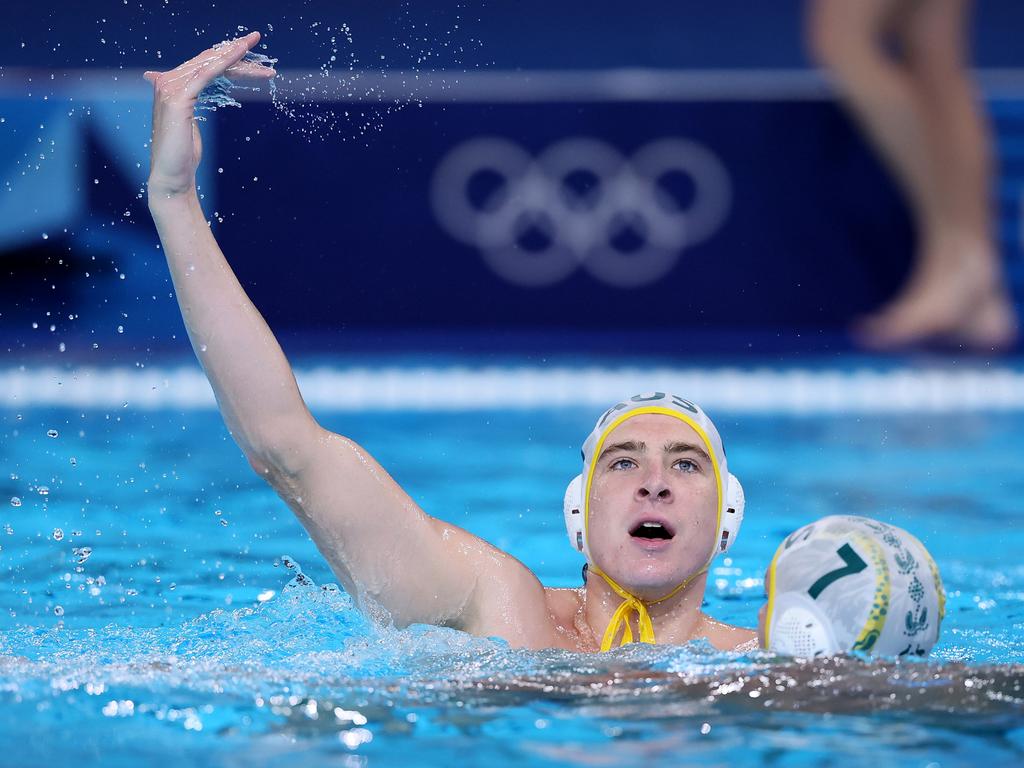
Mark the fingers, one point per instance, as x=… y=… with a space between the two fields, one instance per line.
x=251 y=69
x=240 y=69
x=190 y=78
x=226 y=46
x=216 y=62
x=228 y=54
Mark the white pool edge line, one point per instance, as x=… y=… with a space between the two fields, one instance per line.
x=791 y=390
x=615 y=84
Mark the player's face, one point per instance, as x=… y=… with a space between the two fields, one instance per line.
x=653 y=505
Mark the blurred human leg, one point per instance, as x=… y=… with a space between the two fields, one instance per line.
x=848 y=40
x=920 y=112
x=956 y=288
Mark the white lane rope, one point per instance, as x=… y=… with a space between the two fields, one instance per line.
x=790 y=390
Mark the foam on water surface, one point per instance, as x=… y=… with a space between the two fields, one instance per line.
x=306 y=669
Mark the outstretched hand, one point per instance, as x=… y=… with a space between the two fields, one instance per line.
x=176 y=146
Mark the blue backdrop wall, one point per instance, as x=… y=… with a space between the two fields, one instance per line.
x=340 y=233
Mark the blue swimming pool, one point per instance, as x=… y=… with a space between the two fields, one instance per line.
x=160 y=602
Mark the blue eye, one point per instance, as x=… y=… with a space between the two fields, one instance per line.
x=623 y=464
x=687 y=466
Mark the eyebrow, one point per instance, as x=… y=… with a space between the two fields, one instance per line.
x=638 y=446
x=630 y=446
x=686 y=448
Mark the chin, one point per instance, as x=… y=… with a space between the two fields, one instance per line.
x=650 y=580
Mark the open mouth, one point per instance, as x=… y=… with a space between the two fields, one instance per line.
x=651 y=529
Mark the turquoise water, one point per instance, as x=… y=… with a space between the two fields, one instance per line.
x=160 y=602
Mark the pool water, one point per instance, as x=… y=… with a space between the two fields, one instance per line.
x=160 y=602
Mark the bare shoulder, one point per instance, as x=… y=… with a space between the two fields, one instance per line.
x=507 y=599
x=726 y=637
x=529 y=615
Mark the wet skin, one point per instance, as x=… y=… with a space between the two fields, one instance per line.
x=391 y=556
x=653 y=469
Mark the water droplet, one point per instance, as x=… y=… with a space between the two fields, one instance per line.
x=58 y=534
x=120 y=329
x=45 y=236
x=265 y=595
x=43 y=490
x=58 y=610
x=705 y=728
x=82 y=553
x=224 y=522
x=202 y=348
x=15 y=501
x=51 y=433
x=74 y=461
x=220 y=170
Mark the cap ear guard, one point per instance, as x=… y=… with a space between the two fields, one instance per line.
x=572 y=507
x=732 y=513
x=800 y=629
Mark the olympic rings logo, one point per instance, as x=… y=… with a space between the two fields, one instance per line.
x=580 y=203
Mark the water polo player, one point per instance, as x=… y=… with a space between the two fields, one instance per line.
x=655 y=501
x=849 y=583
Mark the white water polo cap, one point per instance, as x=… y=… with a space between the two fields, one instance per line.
x=576 y=505
x=849 y=583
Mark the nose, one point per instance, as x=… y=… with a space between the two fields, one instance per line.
x=654 y=485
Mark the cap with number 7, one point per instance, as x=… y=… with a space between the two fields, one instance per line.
x=847 y=583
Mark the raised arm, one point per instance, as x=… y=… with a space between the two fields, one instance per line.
x=251 y=378
x=379 y=543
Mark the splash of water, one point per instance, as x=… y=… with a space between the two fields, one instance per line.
x=219 y=92
x=351 y=95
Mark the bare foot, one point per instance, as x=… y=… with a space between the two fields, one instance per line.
x=956 y=296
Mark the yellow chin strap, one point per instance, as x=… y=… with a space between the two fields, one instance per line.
x=631 y=604
x=620 y=621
